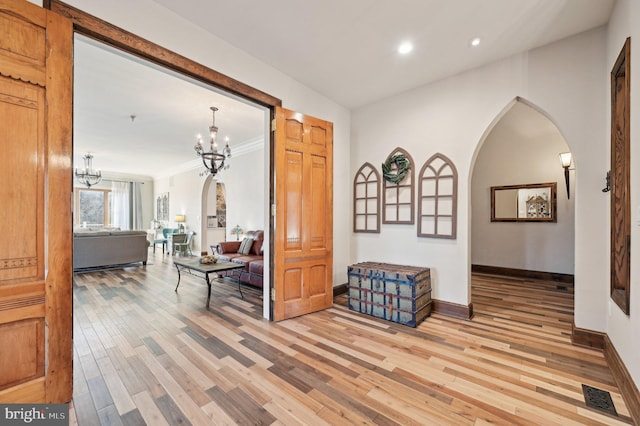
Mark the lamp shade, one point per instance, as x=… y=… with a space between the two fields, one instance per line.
x=179 y=218
x=565 y=159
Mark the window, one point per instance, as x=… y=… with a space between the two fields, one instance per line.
x=92 y=207
x=398 y=197
x=366 y=200
x=437 y=198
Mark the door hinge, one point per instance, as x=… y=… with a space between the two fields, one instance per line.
x=273 y=294
x=273 y=210
x=273 y=125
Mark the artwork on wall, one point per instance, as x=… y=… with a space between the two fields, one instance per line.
x=398 y=188
x=221 y=205
x=437 y=195
x=438 y=198
x=534 y=203
x=162 y=207
x=366 y=199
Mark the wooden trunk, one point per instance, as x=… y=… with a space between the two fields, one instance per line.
x=397 y=293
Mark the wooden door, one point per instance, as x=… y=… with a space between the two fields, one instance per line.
x=620 y=179
x=35 y=195
x=303 y=236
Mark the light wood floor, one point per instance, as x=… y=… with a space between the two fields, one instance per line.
x=146 y=355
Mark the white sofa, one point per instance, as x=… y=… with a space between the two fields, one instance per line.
x=106 y=248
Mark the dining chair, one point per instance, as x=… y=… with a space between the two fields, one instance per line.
x=182 y=244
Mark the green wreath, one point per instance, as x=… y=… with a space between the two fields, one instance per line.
x=403 y=165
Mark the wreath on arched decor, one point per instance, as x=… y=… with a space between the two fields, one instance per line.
x=403 y=165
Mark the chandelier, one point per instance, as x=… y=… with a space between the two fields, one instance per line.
x=87 y=176
x=213 y=160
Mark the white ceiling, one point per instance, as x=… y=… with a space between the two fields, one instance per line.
x=343 y=49
x=170 y=111
x=346 y=49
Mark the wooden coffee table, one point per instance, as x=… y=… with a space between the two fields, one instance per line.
x=193 y=264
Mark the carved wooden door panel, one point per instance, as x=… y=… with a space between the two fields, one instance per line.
x=303 y=252
x=35 y=194
x=620 y=180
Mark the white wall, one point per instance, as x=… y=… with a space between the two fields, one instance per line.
x=185 y=197
x=452 y=116
x=245 y=192
x=624 y=330
x=522 y=148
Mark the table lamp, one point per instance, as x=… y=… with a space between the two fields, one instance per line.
x=180 y=219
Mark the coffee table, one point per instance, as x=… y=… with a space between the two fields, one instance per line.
x=193 y=264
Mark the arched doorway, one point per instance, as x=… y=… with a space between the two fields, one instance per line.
x=214 y=208
x=522 y=147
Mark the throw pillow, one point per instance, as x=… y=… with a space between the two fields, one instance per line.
x=257 y=247
x=245 y=246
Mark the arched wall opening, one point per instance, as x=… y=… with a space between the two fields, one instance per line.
x=213 y=214
x=521 y=146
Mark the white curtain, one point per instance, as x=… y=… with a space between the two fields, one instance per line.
x=120 y=206
x=137 y=206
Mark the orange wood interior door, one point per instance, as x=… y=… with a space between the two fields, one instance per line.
x=303 y=252
x=621 y=180
x=35 y=194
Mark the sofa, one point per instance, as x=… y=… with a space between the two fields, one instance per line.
x=99 y=248
x=253 y=261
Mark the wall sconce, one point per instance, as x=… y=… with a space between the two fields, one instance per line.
x=565 y=159
x=180 y=219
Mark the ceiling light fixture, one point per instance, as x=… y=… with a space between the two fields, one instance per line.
x=405 y=48
x=87 y=176
x=475 y=42
x=213 y=160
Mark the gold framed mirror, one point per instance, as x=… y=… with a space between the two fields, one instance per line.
x=524 y=203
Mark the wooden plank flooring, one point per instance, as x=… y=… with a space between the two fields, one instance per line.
x=147 y=355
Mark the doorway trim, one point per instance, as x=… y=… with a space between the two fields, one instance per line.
x=109 y=34
x=102 y=31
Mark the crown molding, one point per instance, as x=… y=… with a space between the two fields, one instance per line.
x=196 y=163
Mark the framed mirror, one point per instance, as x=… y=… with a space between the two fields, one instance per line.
x=524 y=203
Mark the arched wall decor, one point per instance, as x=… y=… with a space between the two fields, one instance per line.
x=221 y=205
x=438 y=198
x=398 y=198
x=366 y=199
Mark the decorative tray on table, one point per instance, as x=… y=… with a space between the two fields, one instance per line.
x=208 y=259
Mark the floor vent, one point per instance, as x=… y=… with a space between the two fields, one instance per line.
x=598 y=399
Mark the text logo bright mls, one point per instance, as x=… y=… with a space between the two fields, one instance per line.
x=36 y=414
x=26 y=415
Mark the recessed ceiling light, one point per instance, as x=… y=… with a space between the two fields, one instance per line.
x=475 y=42
x=405 y=47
